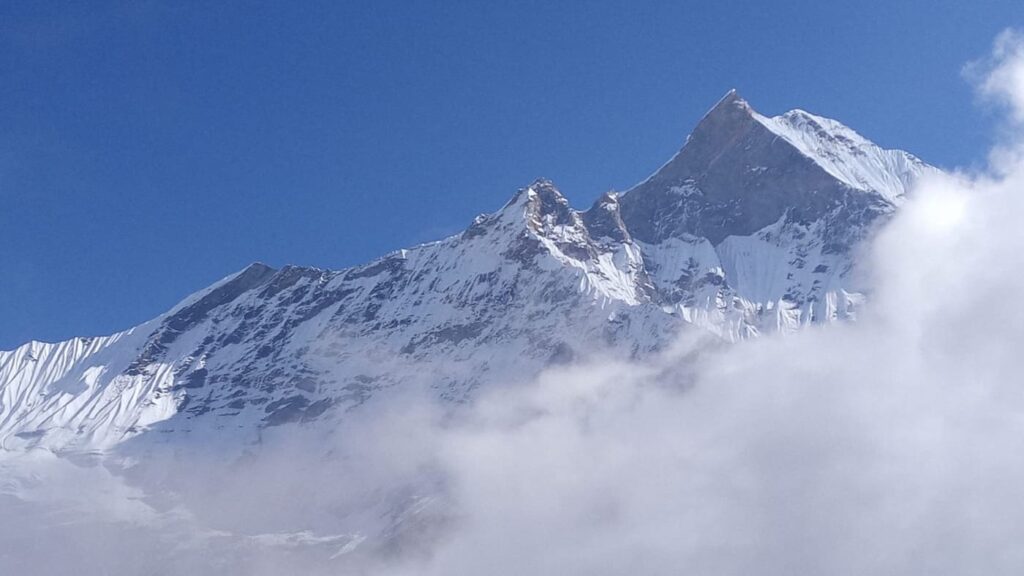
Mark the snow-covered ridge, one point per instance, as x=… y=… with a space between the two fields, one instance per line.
x=750 y=228
x=847 y=155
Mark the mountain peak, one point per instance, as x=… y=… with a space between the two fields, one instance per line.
x=604 y=219
x=731 y=111
x=537 y=206
x=740 y=171
x=257 y=268
x=731 y=101
x=542 y=182
x=540 y=190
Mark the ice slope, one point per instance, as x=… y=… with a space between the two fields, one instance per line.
x=751 y=228
x=848 y=156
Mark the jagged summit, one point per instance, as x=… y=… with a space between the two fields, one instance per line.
x=604 y=219
x=730 y=102
x=740 y=171
x=538 y=206
x=541 y=197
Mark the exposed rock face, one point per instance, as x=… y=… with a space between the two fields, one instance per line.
x=748 y=229
x=734 y=177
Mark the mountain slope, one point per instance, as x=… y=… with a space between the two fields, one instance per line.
x=750 y=228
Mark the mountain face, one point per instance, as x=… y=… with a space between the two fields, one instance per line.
x=750 y=228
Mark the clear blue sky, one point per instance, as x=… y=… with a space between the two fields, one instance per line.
x=150 y=148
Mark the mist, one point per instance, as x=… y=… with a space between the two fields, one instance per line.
x=887 y=446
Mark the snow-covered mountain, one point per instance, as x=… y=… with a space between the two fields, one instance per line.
x=750 y=228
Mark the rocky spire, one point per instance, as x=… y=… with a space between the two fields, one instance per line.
x=733 y=176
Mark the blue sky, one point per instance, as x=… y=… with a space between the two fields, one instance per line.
x=150 y=148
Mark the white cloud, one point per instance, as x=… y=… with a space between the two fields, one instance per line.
x=1002 y=75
